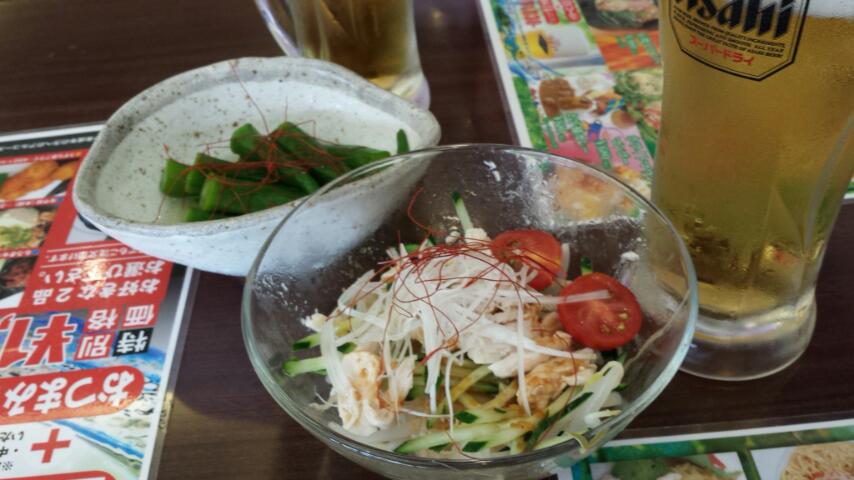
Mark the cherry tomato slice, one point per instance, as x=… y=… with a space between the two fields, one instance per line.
x=715 y=461
x=538 y=250
x=600 y=324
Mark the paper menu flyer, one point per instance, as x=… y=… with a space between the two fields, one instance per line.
x=794 y=452
x=89 y=327
x=583 y=78
x=580 y=83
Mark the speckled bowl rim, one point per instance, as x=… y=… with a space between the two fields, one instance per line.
x=122 y=123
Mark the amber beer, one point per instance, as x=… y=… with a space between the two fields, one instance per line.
x=753 y=160
x=374 y=38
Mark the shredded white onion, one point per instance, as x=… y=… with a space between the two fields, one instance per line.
x=600 y=385
x=564 y=261
x=522 y=394
x=403 y=430
x=594 y=419
x=332 y=358
x=456 y=307
x=579 y=297
x=448 y=400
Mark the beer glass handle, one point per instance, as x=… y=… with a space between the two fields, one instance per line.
x=274 y=17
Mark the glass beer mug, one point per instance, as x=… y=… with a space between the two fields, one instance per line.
x=374 y=38
x=754 y=157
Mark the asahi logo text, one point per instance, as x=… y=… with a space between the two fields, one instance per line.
x=755 y=17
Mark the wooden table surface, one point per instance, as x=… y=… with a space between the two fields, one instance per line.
x=75 y=61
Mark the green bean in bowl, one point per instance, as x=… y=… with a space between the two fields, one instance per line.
x=236 y=134
x=271 y=169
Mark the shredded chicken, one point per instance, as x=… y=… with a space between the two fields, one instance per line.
x=501 y=356
x=549 y=322
x=483 y=350
x=544 y=330
x=507 y=366
x=548 y=379
x=363 y=408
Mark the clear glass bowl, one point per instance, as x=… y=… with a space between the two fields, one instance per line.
x=344 y=229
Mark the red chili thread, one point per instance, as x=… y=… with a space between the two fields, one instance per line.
x=272 y=163
x=233 y=65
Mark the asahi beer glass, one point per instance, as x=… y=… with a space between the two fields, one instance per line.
x=754 y=157
x=374 y=38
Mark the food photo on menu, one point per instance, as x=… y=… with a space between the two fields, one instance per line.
x=14 y=274
x=697 y=467
x=25 y=227
x=36 y=180
x=620 y=14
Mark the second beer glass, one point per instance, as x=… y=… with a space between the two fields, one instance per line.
x=374 y=38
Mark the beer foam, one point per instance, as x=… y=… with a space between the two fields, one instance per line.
x=831 y=8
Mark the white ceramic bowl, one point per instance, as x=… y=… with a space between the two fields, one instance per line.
x=117 y=185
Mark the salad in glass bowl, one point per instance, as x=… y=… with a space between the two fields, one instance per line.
x=469 y=311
